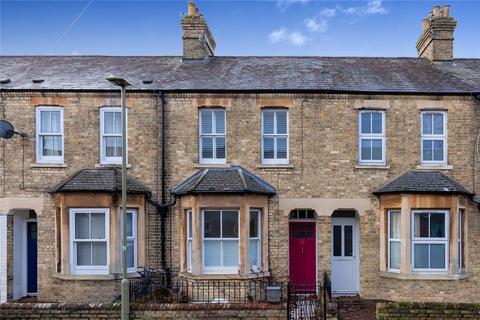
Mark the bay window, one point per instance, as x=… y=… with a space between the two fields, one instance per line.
x=461 y=250
x=49 y=134
x=212 y=136
x=430 y=240
x=372 y=137
x=275 y=136
x=188 y=220
x=254 y=246
x=131 y=239
x=220 y=241
x=89 y=241
x=394 y=240
x=434 y=137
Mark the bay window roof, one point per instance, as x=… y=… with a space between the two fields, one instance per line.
x=99 y=180
x=426 y=181
x=234 y=179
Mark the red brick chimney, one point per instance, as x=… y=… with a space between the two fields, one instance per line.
x=436 y=40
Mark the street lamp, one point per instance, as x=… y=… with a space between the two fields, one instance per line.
x=123 y=84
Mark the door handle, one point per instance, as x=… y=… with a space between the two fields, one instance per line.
x=302 y=250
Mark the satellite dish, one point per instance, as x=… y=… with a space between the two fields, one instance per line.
x=7 y=131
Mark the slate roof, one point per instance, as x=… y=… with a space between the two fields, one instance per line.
x=99 y=180
x=263 y=74
x=428 y=181
x=234 y=179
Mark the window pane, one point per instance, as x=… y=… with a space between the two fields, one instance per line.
x=437 y=225
x=281 y=122
x=376 y=149
x=110 y=146
x=230 y=253
x=437 y=256
x=268 y=117
x=395 y=255
x=98 y=225
x=129 y=224
x=82 y=226
x=394 y=224
x=253 y=224
x=421 y=225
x=99 y=253
x=348 y=236
x=84 y=254
x=438 y=123
x=47 y=145
x=109 y=122
x=57 y=146
x=421 y=256
x=281 y=148
x=206 y=117
x=211 y=227
x=268 y=148
x=377 y=122
x=337 y=241
x=212 y=253
x=220 y=145
x=45 y=123
x=427 y=150
x=220 y=121
x=366 y=125
x=438 y=150
x=56 y=122
x=189 y=254
x=229 y=224
x=118 y=146
x=427 y=123
x=189 y=214
x=118 y=123
x=130 y=254
x=365 y=149
x=207 y=148
x=253 y=252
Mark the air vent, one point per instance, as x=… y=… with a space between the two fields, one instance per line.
x=37 y=80
x=4 y=81
x=147 y=81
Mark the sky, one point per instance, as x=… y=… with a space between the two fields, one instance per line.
x=248 y=28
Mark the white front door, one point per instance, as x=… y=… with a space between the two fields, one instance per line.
x=345 y=279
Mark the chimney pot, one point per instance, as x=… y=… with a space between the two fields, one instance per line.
x=192 y=8
x=425 y=23
x=446 y=11
x=436 y=11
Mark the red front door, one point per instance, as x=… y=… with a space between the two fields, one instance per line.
x=302 y=254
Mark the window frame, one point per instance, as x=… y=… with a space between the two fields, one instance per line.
x=256 y=268
x=188 y=239
x=435 y=137
x=133 y=237
x=220 y=269
x=214 y=135
x=88 y=270
x=103 y=152
x=390 y=239
x=275 y=135
x=419 y=240
x=40 y=158
x=372 y=136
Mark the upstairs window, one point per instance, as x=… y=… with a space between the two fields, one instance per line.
x=49 y=137
x=111 y=135
x=212 y=136
x=275 y=136
x=434 y=137
x=372 y=137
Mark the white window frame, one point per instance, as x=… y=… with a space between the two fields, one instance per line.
x=460 y=261
x=92 y=270
x=133 y=237
x=274 y=135
x=258 y=212
x=445 y=241
x=219 y=269
x=212 y=135
x=438 y=137
x=189 y=239
x=103 y=152
x=390 y=239
x=376 y=136
x=40 y=158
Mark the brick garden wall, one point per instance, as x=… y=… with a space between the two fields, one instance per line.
x=160 y=311
x=423 y=311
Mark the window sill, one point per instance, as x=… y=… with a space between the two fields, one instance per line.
x=111 y=165
x=275 y=166
x=435 y=167
x=373 y=166
x=423 y=276
x=48 y=165
x=93 y=277
x=247 y=276
x=211 y=165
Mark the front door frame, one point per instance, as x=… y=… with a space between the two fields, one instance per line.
x=356 y=252
x=29 y=221
x=314 y=222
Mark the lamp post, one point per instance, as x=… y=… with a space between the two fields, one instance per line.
x=123 y=84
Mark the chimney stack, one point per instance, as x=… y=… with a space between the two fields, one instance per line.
x=198 y=42
x=436 y=40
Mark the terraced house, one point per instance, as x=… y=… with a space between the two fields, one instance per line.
x=241 y=168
